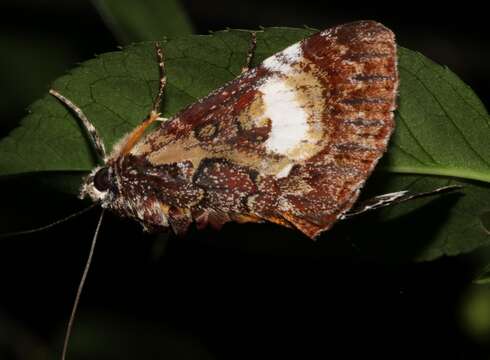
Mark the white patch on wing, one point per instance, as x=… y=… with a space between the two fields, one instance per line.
x=289 y=120
x=284 y=171
x=282 y=62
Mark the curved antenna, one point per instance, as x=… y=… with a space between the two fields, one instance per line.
x=45 y=227
x=69 y=326
x=89 y=127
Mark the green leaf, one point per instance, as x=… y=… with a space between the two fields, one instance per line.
x=442 y=127
x=441 y=138
x=133 y=21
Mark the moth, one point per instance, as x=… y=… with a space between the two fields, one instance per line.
x=290 y=141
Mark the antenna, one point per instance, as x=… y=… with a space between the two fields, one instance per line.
x=45 y=227
x=89 y=127
x=69 y=326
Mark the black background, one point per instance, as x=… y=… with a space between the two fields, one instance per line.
x=249 y=291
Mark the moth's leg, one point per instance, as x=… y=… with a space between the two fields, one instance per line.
x=395 y=198
x=89 y=127
x=138 y=132
x=163 y=79
x=251 y=51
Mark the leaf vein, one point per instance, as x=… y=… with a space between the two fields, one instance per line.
x=417 y=141
x=406 y=152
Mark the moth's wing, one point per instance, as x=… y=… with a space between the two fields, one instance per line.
x=359 y=71
x=293 y=140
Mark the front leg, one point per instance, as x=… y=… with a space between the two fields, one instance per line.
x=138 y=132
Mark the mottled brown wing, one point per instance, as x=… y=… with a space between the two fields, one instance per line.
x=293 y=140
x=359 y=71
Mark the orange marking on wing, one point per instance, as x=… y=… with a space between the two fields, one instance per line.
x=240 y=218
x=277 y=220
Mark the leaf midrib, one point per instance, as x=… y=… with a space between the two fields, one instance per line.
x=460 y=173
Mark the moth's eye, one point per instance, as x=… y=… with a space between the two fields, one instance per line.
x=102 y=180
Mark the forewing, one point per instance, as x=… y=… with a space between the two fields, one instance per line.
x=357 y=66
x=294 y=139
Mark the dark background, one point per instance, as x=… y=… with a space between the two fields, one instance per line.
x=249 y=291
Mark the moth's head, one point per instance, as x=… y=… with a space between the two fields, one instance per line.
x=99 y=184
